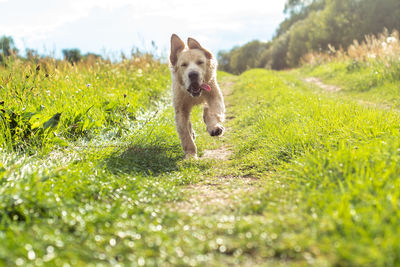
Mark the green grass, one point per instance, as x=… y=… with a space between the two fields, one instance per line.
x=51 y=102
x=312 y=179
x=337 y=163
x=374 y=81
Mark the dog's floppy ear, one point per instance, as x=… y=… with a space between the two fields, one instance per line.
x=193 y=44
x=177 y=45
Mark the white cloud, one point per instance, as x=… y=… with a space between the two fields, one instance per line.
x=221 y=24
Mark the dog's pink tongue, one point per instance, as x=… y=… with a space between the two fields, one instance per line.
x=206 y=87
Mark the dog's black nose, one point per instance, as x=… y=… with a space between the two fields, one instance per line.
x=193 y=76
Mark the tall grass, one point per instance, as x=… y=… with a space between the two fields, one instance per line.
x=385 y=48
x=48 y=101
x=369 y=70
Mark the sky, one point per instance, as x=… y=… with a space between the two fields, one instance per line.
x=109 y=27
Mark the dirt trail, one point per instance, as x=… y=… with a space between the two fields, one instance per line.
x=335 y=88
x=215 y=194
x=320 y=84
x=221 y=153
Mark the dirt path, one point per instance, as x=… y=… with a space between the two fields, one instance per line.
x=334 y=88
x=221 y=153
x=320 y=84
x=215 y=194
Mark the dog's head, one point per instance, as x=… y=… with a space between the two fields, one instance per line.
x=194 y=66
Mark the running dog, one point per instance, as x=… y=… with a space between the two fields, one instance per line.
x=194 y=82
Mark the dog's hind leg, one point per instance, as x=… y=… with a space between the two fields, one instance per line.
x=185 y=132
x=214 y=115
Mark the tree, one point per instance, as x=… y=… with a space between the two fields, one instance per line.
x=224 y=59
x=7 y=47
x=298 y=10
x=276 y=55
x=72 y=55
x=240 y=59
x=313 y=25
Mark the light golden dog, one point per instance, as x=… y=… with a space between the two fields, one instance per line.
x=194 y=81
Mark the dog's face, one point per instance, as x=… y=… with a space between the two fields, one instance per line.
x=193 y=67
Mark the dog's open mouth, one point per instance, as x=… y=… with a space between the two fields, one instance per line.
x=195 y=88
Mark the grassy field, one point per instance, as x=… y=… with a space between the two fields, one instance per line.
x=304 y=177
x=367 y=71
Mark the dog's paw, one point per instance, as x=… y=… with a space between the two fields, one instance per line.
x=217 y=131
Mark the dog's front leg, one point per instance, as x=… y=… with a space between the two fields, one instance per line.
x=184 y=129
x=214 y=114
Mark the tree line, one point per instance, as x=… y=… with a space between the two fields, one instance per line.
x=8 y=48
x=313 y=25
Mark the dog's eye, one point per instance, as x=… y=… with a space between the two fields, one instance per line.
x=200 y=62
x=184 y=65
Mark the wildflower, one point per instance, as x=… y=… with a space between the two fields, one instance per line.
x=88 y=85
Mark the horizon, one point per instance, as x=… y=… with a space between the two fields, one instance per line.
x=110 y=28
